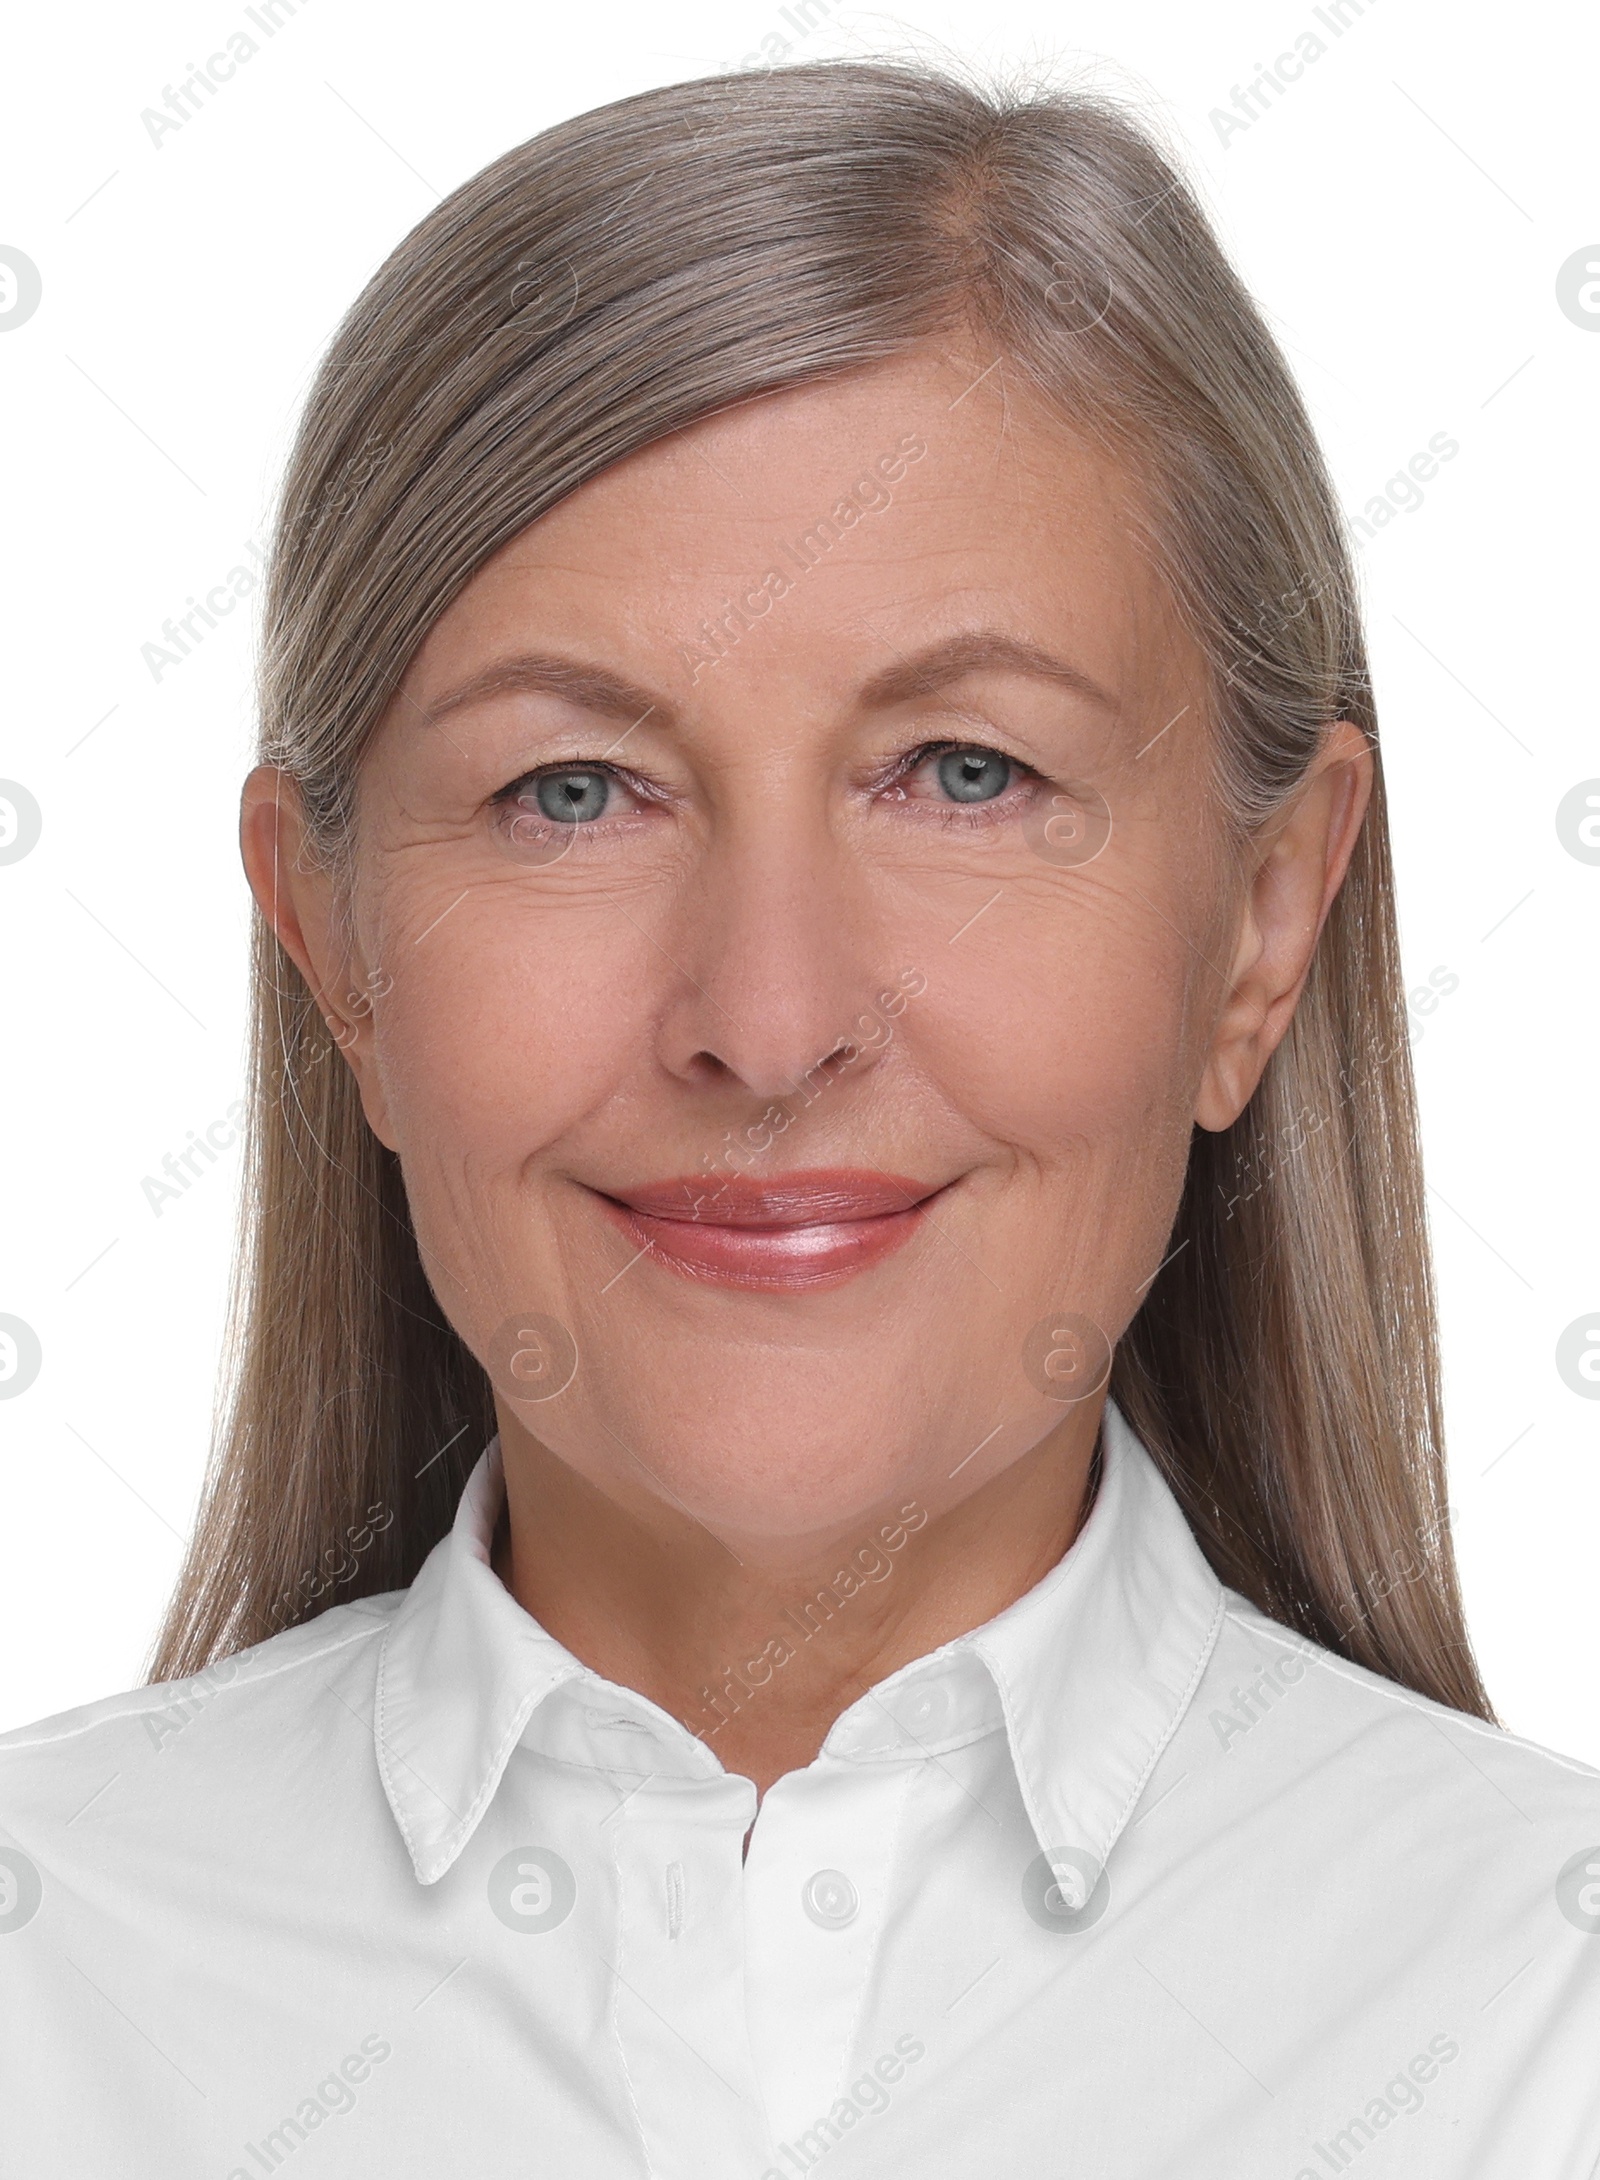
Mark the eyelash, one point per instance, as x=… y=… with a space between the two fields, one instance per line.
x=888 y=779
x=527 y=782
x=962 y=816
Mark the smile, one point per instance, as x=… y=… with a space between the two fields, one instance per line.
x=796 y=1231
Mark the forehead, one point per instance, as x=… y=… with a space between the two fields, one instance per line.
x=856 y=520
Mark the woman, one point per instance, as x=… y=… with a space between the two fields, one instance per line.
x=832 y=1540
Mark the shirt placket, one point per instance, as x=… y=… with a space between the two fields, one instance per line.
x=816 y=1887
x=678 y=1977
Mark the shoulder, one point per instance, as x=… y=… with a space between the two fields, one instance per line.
x=246 y=1702
x=1323 y=1707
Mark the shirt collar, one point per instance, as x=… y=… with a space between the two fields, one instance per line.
x=1097 y=1664
x=1093 y=1668
x=1089 y=1672
x=462 y=1669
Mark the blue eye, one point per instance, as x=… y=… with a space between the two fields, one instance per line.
x=974 y=775
x=575 y=796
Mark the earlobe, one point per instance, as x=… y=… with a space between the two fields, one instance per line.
x=1234 y=1065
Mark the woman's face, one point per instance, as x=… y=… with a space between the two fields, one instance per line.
x=821 y=795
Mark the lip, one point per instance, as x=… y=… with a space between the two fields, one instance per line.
x=792 y=1232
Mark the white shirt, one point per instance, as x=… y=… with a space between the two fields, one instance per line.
x=408 y=1891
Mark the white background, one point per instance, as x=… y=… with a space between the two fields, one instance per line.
x=1402 y=212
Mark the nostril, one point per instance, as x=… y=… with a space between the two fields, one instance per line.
x=706 y=1067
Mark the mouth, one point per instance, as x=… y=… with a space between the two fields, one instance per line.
x=793 y=1232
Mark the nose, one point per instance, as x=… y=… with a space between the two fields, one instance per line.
x=773 y=945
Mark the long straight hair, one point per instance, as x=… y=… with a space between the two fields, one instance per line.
x=618 y=278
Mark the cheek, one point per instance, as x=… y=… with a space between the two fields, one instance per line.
x=503 y=1028
x=1068 y=1030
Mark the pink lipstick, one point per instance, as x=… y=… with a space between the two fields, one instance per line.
x=790 y=1232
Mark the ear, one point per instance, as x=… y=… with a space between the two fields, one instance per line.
x=296 y=893
x=1297 y=865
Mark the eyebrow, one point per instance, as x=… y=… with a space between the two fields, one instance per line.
x=983 y=650
x=594 y=688
x=924 y=673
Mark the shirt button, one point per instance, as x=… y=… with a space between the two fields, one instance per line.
x=830 y=1899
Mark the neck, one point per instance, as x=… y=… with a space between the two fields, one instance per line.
x=757 y=1645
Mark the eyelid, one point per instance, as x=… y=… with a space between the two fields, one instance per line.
x=941 y=748
x=902 y=768
x=889 y=777
x=619 y=774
